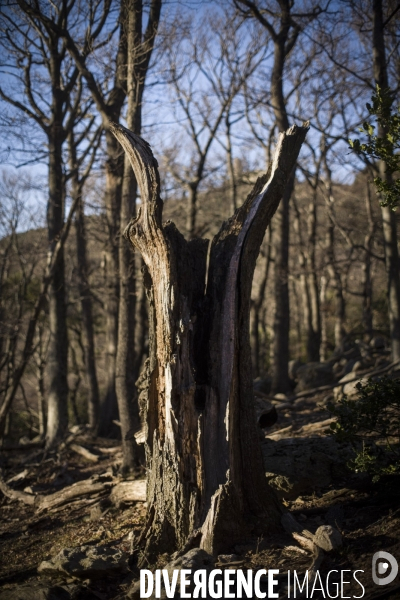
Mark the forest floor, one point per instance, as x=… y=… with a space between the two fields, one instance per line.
x=367 y=515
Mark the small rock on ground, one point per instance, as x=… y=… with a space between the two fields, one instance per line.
x=86 y=562
x=41 y=592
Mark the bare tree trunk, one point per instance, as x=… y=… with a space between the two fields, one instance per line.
x=57 y=360
x=114 y=167
x=204 y=458
x=393 y=272
x=388 y=216
x=366 y=268
x=27 y=350
x=314 y=333
x=284 y=38
x=256 y=309
x=41 y=392
x=297 y=320
x=139 y=53
x=125 y=360
x=87 y=318
x=41 y=404
x=335 y=273
x=191 y=210
x=73 y=393
x=305 y=293
x=109 y=107
x=340 y=305
x=230 y=165
x=280 y=380
x=85 y=295
x=324 y=325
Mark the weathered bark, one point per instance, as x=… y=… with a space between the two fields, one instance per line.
x=392 y=260
x=142 y=323
x=203 y=454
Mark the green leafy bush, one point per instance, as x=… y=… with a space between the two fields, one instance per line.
x=385 y=147
x=371 y=423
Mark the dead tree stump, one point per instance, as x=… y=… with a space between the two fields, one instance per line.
x=205 y=471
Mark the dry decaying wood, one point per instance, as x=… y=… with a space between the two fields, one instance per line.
x=305 y=539
x=360 y=375
x=325 y=388
x=310 y=429
x=16 y=495
x=129 y=491
x=203 y=454
x=84 y=452
x=126 y=491
x=76 y=490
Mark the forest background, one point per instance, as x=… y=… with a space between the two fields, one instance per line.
x=209 y=86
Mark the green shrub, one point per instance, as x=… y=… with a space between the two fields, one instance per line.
x=385 y=148
x=371 y=423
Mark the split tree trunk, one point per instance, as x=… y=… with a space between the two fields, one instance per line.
x=203 y=453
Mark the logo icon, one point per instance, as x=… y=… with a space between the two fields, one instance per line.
x=381 y=561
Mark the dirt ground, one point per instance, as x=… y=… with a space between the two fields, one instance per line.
x=367 y=515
